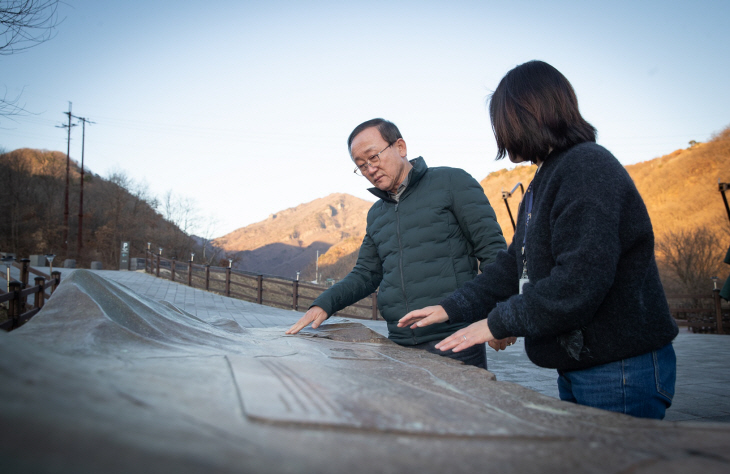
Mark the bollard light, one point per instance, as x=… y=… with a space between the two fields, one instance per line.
x=192 y=256
x=50 y=257
x=714 y=282
x=148 y=246
x=230 y=262
x=297 y=276
x=160 y=251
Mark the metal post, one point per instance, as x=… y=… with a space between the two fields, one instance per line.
x=190 y=272
x=724 y=187
x=158 y=263
x=260 y=291
x=8 y=262
x=718 y=310
x=172 y=269
x=40 y=297
x=228 y=281
x=508 y=194
x=207 y=277
x=295 y=295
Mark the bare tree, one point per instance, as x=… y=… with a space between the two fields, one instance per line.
x=207 y=251
x=181 y=214
x=24 y=24
x=693 y=257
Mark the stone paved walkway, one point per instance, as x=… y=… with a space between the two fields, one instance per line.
x=703 y=360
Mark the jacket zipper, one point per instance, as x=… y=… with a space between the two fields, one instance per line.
x=400 y=265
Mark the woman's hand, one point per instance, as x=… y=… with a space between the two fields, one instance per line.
x=475 y=333
x=502 y=344
x=424 y=317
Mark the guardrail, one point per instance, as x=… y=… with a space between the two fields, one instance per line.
x=19 y=310
x=700 y=313
x=257 y=288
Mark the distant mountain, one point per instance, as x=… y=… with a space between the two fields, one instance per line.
x=288 y=241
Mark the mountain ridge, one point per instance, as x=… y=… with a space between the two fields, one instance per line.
x=299 y=233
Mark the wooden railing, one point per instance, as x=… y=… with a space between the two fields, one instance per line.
x=19 y=310
x=257 y=288
x=700 y=312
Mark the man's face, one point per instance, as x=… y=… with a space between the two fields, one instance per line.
x=392 y=167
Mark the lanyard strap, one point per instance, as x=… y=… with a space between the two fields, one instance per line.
x=528 y=211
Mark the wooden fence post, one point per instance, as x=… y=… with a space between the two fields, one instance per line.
x=24 y=275
x=172 y=269
x=375 y=306
x=158 y=265
x=40 y=297
x=190 y=272
x=228 y=281
x=14 y=304
x=56 y=280
x=718 y=310
x=260 y=290
x=295 y=295
x=207 y=277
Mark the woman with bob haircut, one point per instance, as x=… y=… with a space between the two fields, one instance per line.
x=579 y=281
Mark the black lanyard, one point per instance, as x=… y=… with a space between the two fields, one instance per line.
x=528 y=211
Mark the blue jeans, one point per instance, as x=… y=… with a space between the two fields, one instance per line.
x=641 y=386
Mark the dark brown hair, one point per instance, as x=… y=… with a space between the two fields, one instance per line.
x=388 y=131
x=535 y=109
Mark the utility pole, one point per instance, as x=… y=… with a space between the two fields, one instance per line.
x=79 y=240
x=68 y=170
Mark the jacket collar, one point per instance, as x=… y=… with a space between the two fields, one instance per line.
x=414 y=175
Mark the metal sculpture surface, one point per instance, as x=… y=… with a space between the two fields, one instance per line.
x=105 y=380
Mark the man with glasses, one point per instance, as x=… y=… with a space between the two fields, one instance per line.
x=424 y=239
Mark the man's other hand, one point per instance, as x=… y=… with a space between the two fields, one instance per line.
x=424 y=317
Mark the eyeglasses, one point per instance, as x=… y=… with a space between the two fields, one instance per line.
x=372 y=161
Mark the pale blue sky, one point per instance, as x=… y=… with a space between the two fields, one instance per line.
x=245 y=107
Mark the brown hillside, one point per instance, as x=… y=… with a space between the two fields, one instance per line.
x=298 y=232
x=338 y=260
x=506 y=180
x=115 y=209
x=680 y=189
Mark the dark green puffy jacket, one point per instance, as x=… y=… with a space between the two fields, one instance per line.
x=420 y=249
